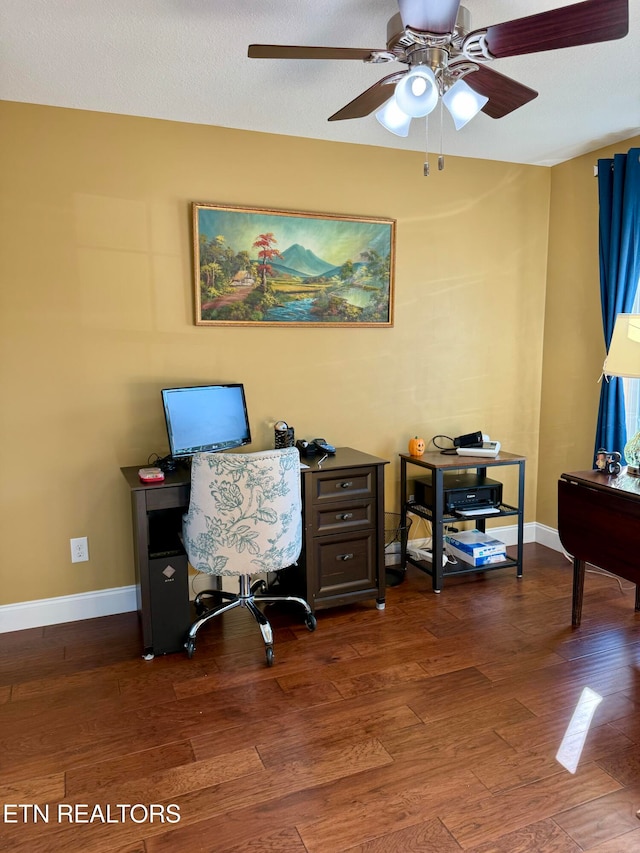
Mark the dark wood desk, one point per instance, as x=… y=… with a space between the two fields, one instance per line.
x=343 y=542
x=599 y=523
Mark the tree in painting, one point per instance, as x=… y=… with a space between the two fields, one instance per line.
x=266 y=253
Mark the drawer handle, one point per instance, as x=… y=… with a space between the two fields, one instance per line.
x=346 y=485
x=345 y=516
x=344 y=557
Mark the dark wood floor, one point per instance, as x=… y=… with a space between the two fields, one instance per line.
x=431 y=726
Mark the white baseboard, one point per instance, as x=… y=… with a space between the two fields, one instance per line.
x=548 y=536
x=108 y=602
x=67 y=608
x=509 y=533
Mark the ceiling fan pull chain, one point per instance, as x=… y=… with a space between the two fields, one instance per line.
x=425 y=170
x=441 y=155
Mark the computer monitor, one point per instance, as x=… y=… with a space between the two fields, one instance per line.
x=205 y=418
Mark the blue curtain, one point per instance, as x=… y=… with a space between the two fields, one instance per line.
x=619 y=229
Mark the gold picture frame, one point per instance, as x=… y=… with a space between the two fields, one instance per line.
x=260 y=267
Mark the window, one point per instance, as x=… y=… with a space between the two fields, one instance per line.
x=632 y=388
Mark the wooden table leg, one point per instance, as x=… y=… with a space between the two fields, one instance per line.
x=578 y=590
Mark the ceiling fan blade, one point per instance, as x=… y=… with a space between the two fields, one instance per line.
x=289 y=51
x=505 y=95
x=581 y=23
x=369 y=100
x=432 y=16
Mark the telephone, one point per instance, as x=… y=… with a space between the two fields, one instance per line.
x=316 y=445
x=323 y=446
x=470 y=439
x=485 y=447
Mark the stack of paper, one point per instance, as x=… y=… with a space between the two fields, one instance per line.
x=475 y=547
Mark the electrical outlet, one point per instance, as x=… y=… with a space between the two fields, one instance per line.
x=79 y=549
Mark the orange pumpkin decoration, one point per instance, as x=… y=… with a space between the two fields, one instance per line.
x=416 y=446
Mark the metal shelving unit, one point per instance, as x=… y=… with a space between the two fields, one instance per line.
x=437 y=463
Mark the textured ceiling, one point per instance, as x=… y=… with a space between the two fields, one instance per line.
x=186 y=60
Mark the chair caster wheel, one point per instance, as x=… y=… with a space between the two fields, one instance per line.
x=190 y=646
x=269 y=655
x=311 y=622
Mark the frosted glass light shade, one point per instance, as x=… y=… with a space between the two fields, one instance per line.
x=417 y=92
x=463 y=103
x=393 y=118
x=623 y=358
x=632 y=454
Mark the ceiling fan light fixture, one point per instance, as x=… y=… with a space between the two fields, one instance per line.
x=392 y=118
x=417 y=92
x=463 y=103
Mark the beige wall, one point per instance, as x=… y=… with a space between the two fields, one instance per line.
x=96 y=316
x=574 y=346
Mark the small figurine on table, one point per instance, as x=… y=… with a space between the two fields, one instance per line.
x=608 y=462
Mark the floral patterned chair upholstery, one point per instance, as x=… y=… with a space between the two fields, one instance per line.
x=244 y=518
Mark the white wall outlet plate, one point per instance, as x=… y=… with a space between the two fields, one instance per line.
x=79 y=549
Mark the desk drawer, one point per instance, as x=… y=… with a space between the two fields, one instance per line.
x=168 y=497
x=356 y=515
x=348 y=483
x=345 y=564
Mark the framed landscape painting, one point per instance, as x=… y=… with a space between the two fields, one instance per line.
x=282 y=268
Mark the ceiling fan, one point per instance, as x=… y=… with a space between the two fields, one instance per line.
x=435 y=40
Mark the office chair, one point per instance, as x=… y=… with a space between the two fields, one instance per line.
x=244 y=518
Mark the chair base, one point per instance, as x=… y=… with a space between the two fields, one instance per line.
x=248 y=597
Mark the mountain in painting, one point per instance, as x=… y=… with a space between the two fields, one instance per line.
x=304 y=261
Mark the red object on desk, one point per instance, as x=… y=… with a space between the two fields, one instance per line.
x=151 y=475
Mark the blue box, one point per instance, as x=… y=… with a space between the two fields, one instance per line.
x=476 y=544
